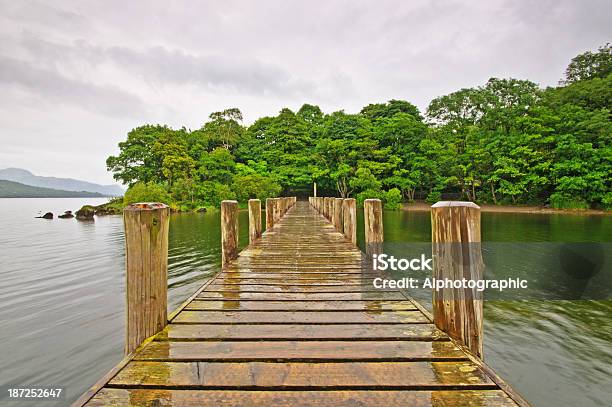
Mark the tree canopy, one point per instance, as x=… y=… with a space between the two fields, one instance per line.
x=506 y=142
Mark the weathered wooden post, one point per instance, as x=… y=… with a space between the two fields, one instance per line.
x=455 y=235
x=254 y=220
x=229 y=231
x=146 y=253
x=270 y=213
x=337 y=216
x=349 y=219
x=373 y=221
x=324 y=211
x=277 y=210
x=329 y=209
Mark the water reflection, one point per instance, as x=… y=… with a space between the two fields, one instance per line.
x=62 y=289
x=62 y=298
x=554 y=352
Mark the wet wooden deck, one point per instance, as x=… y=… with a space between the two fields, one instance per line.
x=294 y=321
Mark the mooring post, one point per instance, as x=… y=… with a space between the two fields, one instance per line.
x=337 y=217
x=146 y=253
x=229 y=231
x=324 y=211
x=373 y=222
x=270 y=213
x=457 y=255
x=277 y=209
x=254 y=220
x=325 y=206
x=349 y=219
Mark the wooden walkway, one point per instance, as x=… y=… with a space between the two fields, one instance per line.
x=293 y=321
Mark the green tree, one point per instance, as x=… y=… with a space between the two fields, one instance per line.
x=255 y=186
x=146 y=192
x=590 y=65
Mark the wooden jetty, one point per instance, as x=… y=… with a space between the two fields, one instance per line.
x=292 y=320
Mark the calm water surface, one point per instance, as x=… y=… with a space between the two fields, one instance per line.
x=554 y=351
x=62 y=298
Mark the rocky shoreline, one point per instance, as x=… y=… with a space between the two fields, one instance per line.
x=87 y=212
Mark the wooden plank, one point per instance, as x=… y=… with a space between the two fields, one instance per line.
x=229 y=295
x=265 y=375
x=213 y=305
x=272 y=268
x=301 y=351
x=312 y=282
x=280 y=253
x=302 y=317
x=185 y=332
x=340 y=398
x=295 y=275
x=273 y=288
x=288 y=323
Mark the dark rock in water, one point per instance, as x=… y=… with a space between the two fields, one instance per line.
x=86 y=213
x=66 y=215
x=48 y=215
x=201 y=210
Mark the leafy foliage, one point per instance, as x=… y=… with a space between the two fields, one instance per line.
x=146 y=192
x=506 y=142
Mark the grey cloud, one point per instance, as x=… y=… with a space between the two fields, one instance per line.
x=44 y=14
x=216 y=72
x=175 y=62
x=166 y=67
x=49 y=84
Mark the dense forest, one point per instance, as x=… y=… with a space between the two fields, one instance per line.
x=505 y=142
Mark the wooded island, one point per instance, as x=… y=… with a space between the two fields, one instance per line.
x=506 y=142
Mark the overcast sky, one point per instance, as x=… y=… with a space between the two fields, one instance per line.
x=76 y=76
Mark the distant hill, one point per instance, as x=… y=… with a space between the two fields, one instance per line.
x=10 y=189
x=67 y=184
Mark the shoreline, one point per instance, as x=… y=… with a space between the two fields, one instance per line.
x=425 y=207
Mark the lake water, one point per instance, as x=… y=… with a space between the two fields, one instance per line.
x=62 y=297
